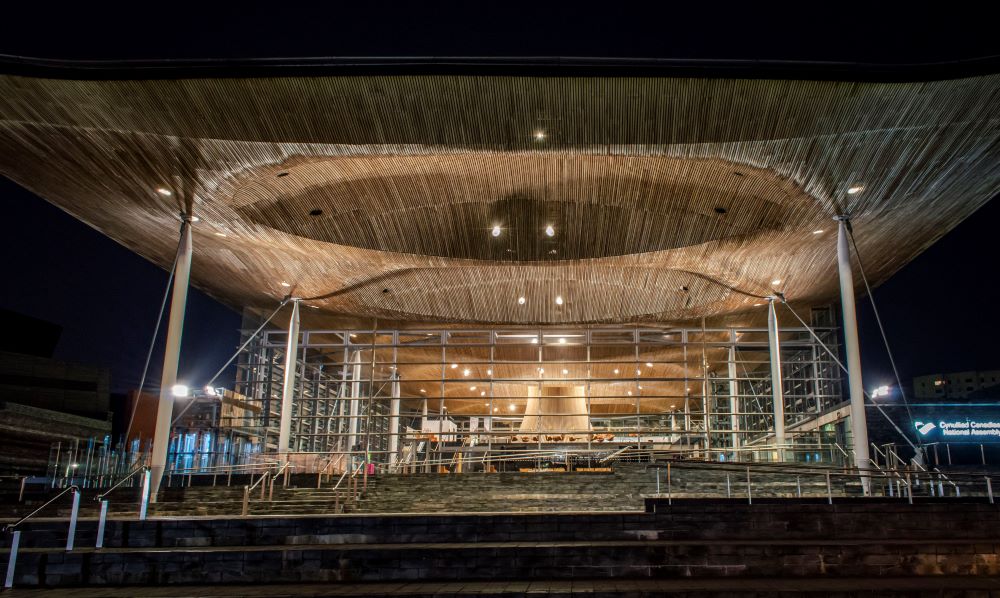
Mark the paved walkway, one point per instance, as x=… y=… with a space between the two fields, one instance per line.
x=882 y=586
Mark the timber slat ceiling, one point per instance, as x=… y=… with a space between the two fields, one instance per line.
x=670 y=199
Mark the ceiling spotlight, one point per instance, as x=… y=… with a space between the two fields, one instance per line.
x=541 y=370
x=472 y=388
x=512 y=407
x=565 y=371
x=466 y=372
x=818 y=232
x=776 y=281
x=164 y=191
x=534 y=341
x=757 y=304
x=521 y=300
x=221 y=234
x=562 y=340
x=855 y=189
x=649 y=364
x=483 y=394
x=616 y=370
x=495 y=409
x=180 y=390
x=550 y=231
x=423 y=391
x=285 y=284
x=630 y=393
x=559 y=300
x=496 y=231
x=638 y=372
x=454 y=365
x=539 y=135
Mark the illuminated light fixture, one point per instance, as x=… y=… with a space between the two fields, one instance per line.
x=649 y=364
x=489 y=372
x=221 y=234
x=482 y=393
x=423 y=391
x=855 y=189
x=638 y=372
x=757 y=304
x=818 y=231
x=512 y=407
x=616 y=370
x=195 y=219
x=559 y=300
x=640 y=387
x=472 y=388
x=521 y=300
x=541 y=370
x=562 y=340
x=210 y=391
x=454 y=365
x=354 y=336
x=630 y=393
x=881 y=391
x=164 y=191
x=466 y=372
x=550 y=231
x=688 y=389
x=539 y=135
x=496 y=231
x=486 y=404
x=180 y=390
x=776 y=281
x=534 y=341
x=495 y=409
x=285 y=284
x=565 y=371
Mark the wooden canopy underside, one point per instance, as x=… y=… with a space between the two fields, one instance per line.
x=670 y=199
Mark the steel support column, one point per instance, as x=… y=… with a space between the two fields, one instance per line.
x=777 y=394
x=394 y=421
x=288 y=389
x=171 y=355
x=859 y=423
x=734 y=418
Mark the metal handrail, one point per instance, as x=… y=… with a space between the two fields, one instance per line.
x=101 y=496
x=10 y=526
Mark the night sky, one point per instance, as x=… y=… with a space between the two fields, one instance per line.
x=106 y=298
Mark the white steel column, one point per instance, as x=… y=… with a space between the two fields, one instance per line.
x=175 y=327
x=288 y=390
x=859 y=423
x=734 y=404
x=777 y=393
x=394 y=421
x=353 y=425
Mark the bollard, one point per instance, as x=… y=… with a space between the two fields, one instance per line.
x=100 y=524
x=798 y=486
x=72 y=520
x=15 y=542
x=989 y=489
x=729 y=491
x=829 y=490
x=657 y=481
x=144 y=498
x=749 y=493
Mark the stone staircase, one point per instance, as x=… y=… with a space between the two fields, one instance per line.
x=857 y=540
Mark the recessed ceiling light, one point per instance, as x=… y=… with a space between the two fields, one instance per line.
x=483 y=394
x=495 y=409
x=559 y=300
x=638 y=372
x=541 y=370
x=466 y=372
x=757 y=304
x=565 y=371
x=688 y=389
x=539 y=135
x=855 y=189
x=164 y=191
x=562 y=340
x=521 y=300
x=550 y=231
x=630 y=393
x=649 y=364
x=285 y=284
x=616 y=370
x=496 y=231
x=818 y=232
x=221 y=234
x=512 y=407
x=195 y=219
x=776 y=281
x=472 y=388
x=423 y=391
x=454 y=365
x=534 y=341
x=489 y=372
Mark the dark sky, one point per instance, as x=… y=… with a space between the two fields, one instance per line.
x=107 y=298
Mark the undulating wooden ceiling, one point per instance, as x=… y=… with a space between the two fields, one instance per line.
x=376 y=196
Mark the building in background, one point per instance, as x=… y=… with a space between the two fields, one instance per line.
x=954 y=385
